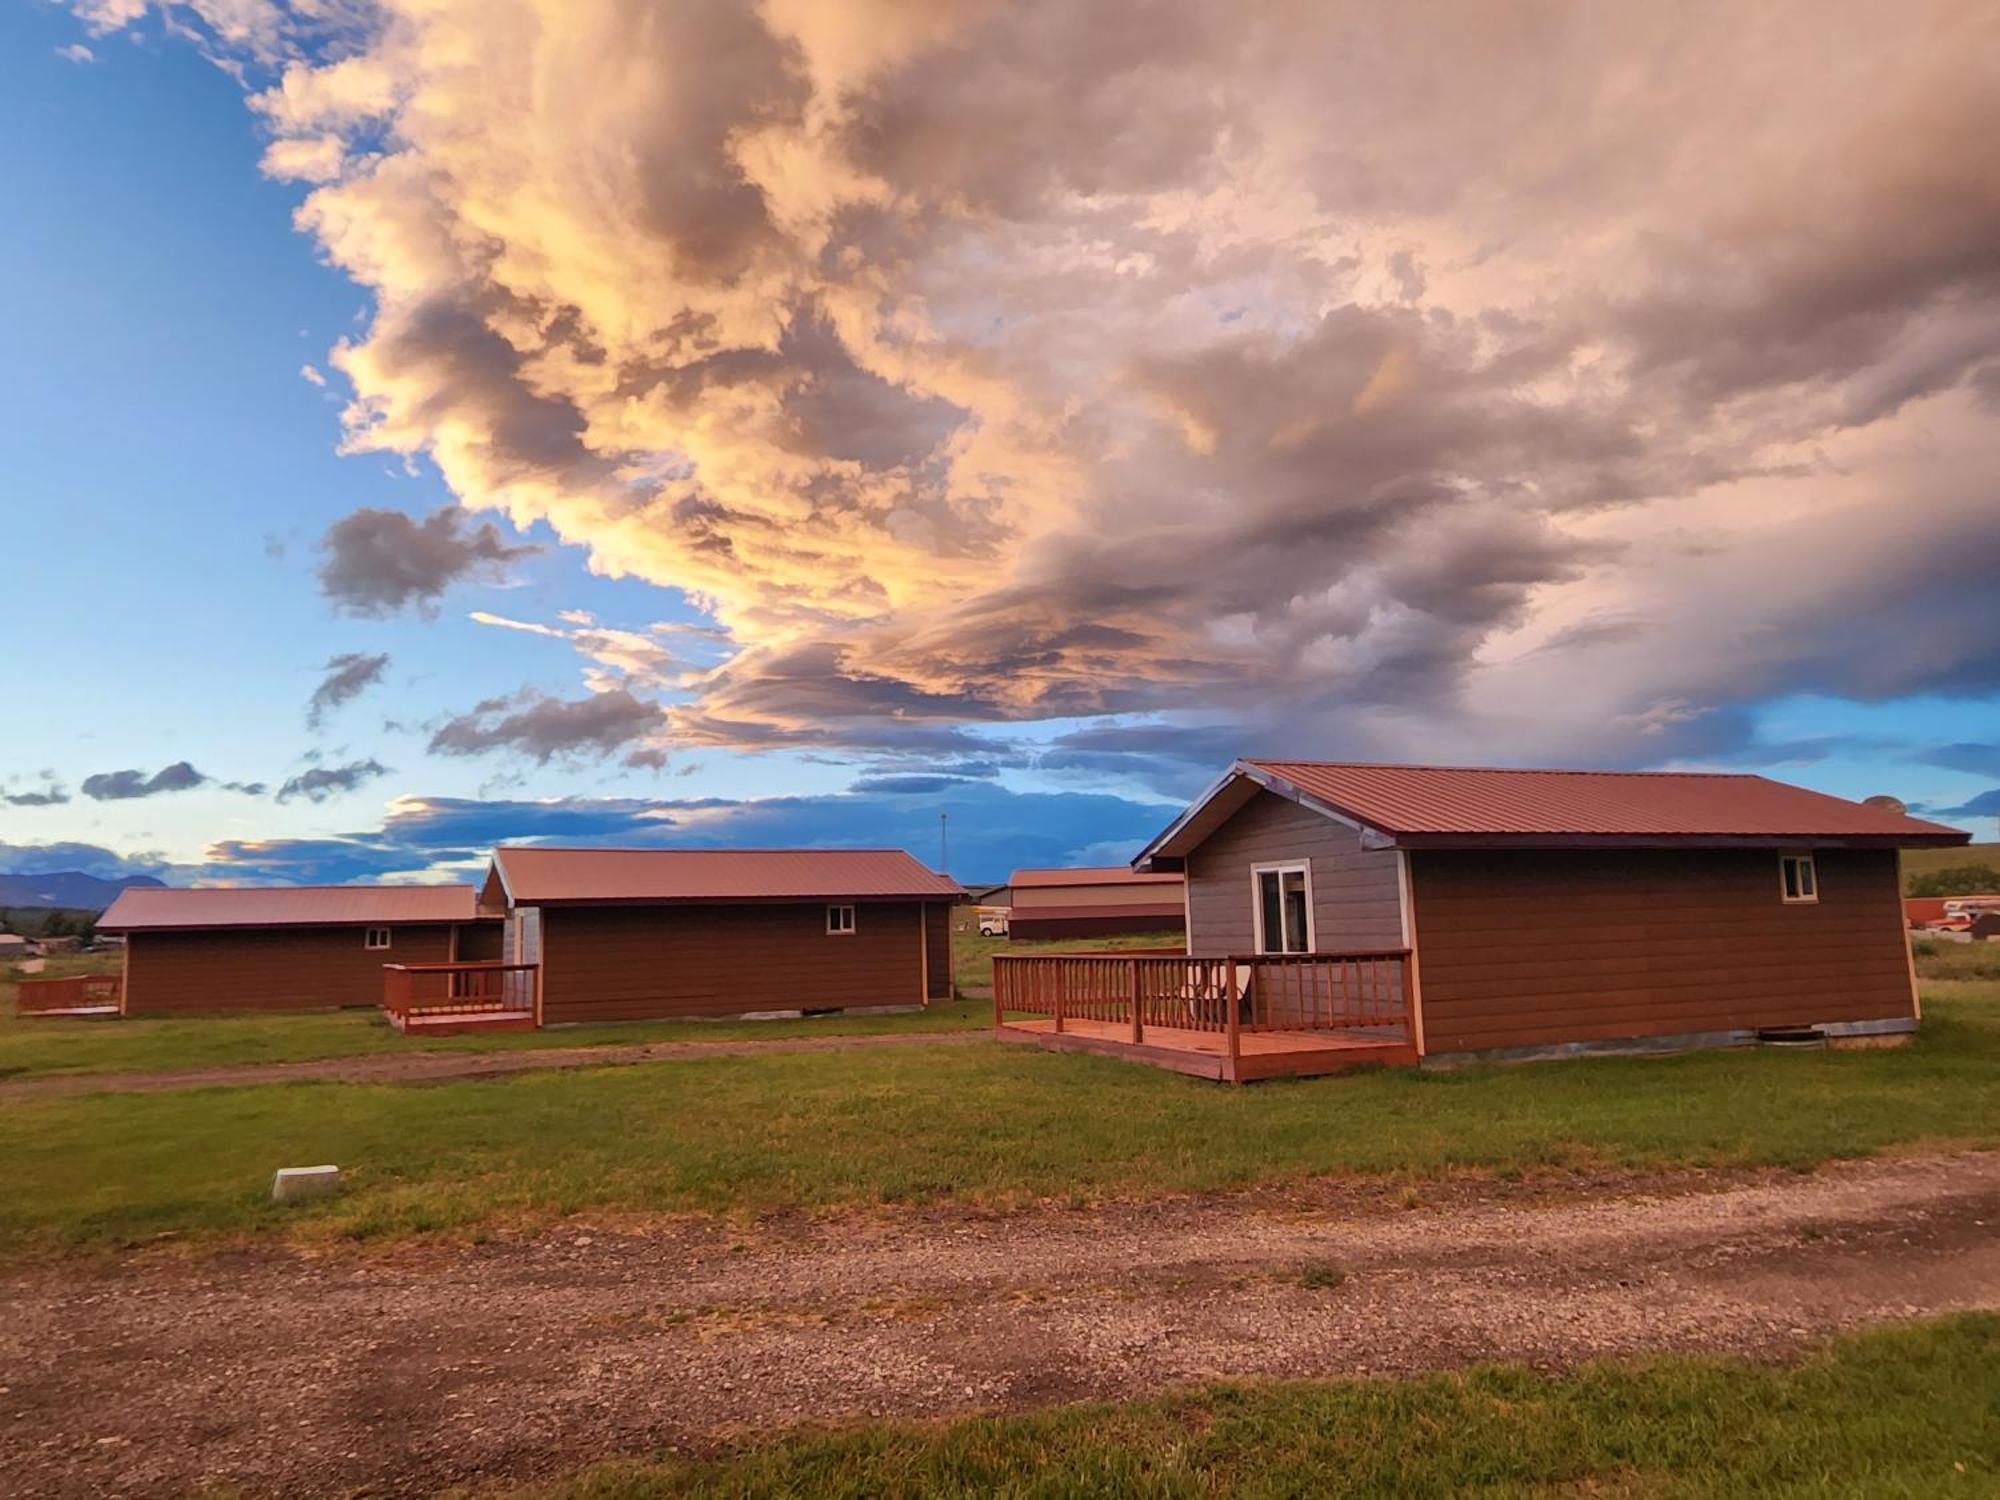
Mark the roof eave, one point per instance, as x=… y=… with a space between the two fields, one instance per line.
x=1678 y=841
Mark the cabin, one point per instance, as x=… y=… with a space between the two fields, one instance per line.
x=1340 y=914
x=652 y=934
x=286 y=948
x=1093 y=902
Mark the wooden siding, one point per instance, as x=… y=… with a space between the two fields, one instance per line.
x=1043 y=925
x=1536 y=948
x=1357 y=903
x=616 y=963
x=937 y=950
x=481 y=942
x=270 y=968
x=1050 y=900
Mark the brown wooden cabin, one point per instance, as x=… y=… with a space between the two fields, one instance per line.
x=288 y=947
x=630 y=934
x=1093 y=902
x=1441 y=914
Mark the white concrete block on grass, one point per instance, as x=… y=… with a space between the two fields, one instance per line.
x=304 y=1184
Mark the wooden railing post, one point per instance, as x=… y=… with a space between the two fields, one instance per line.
x=1138 y=1005
x=999 y=969
x=1232 y=1024
x=1048 y=966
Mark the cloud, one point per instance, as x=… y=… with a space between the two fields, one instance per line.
x=348 y=675
x=544 y=728
x=1976 y=759
x=49 y=794
x=76 y=52
x=993 y=830
x=119 y=786
x=86 y=859
x=124 y=786
x=978 y=364
x=322 y=782
x=1985 y=805
x=379 y=562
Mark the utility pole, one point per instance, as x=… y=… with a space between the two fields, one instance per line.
x=944 y=842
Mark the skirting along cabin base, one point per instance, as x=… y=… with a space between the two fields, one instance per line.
x=1231 y=1019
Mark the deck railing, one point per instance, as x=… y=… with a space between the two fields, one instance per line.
x=79 y=992
x=1364 y=992
x=420 y=991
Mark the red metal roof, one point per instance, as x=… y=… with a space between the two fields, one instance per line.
x=1087 y=875
x=1437 y=803
x=160 y=908
x=539 y=876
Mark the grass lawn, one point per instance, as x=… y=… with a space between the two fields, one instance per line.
x=41 y=1046
x=988 y=1123
x=1911 y=1411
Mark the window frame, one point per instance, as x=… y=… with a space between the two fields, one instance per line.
x=369 y=944
x=1281 y=868
x=1807 y=888
x=833 y=929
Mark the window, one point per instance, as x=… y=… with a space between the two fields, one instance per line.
x=1797 y=879
x=1284 y=908
x=376 y=937
x=840 y=919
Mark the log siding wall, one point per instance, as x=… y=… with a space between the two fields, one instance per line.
x=275 y=968
x=1357 y=900
x=618 y=963
x=1535 y=948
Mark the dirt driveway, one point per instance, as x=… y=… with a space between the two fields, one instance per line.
x=399 y=1373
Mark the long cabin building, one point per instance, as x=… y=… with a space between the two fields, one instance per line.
x=1562 y=910
x=630 y=934
x=1093 y=902
x=287 y=947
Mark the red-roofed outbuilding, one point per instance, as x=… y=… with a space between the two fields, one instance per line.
x=1541 y=910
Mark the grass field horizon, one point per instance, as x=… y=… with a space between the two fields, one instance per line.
x=986 y=1124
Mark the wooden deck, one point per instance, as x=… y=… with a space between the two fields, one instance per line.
x=452 y=999
x=1204 y=1054
x=1232 y=1019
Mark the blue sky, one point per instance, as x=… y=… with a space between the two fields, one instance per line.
x=805 y=575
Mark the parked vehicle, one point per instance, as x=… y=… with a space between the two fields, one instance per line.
x=993 y=921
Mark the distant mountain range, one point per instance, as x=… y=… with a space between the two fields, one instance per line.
x=69 y=889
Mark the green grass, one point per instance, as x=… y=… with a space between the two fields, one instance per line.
x=988 y=1123
x=1912 y=1411
x=972 y=955
x=39 y=1047
x=1940 y=958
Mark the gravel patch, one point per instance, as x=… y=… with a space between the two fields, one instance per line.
x=402 y=1371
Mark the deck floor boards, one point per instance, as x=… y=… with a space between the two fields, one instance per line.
x=1262 y=1054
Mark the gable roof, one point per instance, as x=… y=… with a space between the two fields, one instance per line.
x=1416 y=807
x=536 y=875
x=164 y=908
x=1087 y=875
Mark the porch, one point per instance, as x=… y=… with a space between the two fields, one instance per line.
x=78 y=995
x=451 y=999
x=1235 y=1019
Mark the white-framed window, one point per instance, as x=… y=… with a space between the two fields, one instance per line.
x=375 y=937
x=840 y=920
x=1281 y=903
x=1798 y=881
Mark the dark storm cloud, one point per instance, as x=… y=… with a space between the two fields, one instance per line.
x=544 y=728
x=322 y=782
x=992 y=831
x=379 y=562
x=1347 y=374
x=124 y=786
x=347 y=676
x=1976 y=758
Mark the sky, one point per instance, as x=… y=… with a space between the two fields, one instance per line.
x=782 y=423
